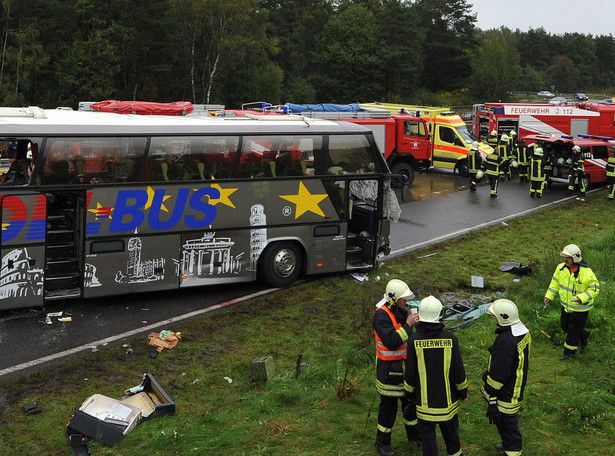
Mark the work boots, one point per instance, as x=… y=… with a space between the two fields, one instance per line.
x=384 y=449
x=383 y=444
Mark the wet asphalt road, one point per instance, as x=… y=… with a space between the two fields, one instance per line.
x=439 y=207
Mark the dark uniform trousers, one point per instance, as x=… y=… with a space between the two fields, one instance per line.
x=512 y=441
x=387 y=412
x=450 y=434
x=573 y=324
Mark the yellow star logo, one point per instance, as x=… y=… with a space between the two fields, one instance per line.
x=224 y=196
x=305 y=201
x=5 y=226
x=101 y=211
x=150 y=199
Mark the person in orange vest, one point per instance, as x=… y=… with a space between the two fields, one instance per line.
x=392 y=324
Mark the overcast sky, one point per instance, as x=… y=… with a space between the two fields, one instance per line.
x=596 y=17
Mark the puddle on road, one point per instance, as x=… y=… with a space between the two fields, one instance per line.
x=434 y=184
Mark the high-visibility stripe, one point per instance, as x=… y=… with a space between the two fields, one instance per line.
x=382 y=351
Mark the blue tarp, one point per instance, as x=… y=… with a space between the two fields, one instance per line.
x=322 y=107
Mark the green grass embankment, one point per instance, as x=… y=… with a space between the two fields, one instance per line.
x=328 y=404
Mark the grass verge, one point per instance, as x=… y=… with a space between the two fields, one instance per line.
x=322 y=399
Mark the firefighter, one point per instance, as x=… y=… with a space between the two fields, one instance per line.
x=392 y=326
x=492 y=166
x=492 y=140
x=474 y=161
x=504 y=151
x=577 y=287
x=538 y=176
x=435 y=380
x=513 y=144
x=610 y=177
x=523 y=160
x=506 y=376
x=576 y=173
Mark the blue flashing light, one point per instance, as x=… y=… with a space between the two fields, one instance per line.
x=568 y=136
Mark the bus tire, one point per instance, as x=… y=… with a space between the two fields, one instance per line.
x=281 y=264
x=404 y=168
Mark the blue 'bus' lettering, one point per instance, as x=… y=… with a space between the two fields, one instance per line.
x=132 y=212
x=153 y=217
x=196 y=203
x=130 y=207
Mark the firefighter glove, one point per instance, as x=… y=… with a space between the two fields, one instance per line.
x=493 y=413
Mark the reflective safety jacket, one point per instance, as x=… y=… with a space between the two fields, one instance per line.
x=493 y=141
x=391 y=333
x=507 y=370
x=577 y=167
x=537 y=169
x=492 y=164
x=474 y=161
x=580 y=284
x=523 y=157
x=610 y=168
x=435 y=377
x=504 y=150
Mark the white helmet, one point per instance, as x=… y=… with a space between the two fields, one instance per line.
x=397 y=289
x=576 y=149
x=504 y=137
x=513 y=133
x=430 y=309
x=505 y=311
x=572 y=250
x=494 y=132
x=474 y=145
x=538 y=151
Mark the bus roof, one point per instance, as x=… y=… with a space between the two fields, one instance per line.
x=33 y=121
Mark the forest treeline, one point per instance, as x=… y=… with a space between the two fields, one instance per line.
x=59 y=52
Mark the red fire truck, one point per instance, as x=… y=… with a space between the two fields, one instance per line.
x=539 y=118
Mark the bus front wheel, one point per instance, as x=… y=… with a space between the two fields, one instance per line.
x=281 y=264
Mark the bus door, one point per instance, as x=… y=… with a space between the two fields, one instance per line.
x=364 y=224
x=22 y=249
x=65 y=238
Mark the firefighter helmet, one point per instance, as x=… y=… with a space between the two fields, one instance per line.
x=573 y=251
x=504 y=137
x=494 y=133
x=538 y=151
x=505 y=311
x=474 y=145
x=397 y=289
x=576 y=150
x=513 y=133
x=430 y=309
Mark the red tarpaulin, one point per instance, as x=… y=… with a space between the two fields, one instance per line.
x=149 y=108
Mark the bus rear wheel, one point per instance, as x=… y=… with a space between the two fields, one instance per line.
x=281 y=264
